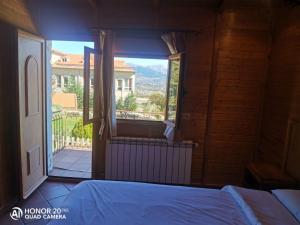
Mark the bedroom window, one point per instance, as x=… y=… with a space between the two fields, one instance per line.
x=130 y=84
x=120 y=85
x=143 y=95
x=151 y=88
x=58 y=78
x=66 y=81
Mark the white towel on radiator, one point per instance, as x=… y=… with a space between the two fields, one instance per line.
x=170 y=131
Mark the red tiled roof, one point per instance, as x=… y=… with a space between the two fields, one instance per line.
x=76 y=61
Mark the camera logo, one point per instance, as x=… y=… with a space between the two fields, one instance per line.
x=16 y=213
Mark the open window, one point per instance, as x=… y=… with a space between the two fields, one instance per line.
x=140 y=88
x=148 y=89
x=144 y=93
x=90 y=57
x=174 y=88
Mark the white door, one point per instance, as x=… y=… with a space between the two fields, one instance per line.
x=31 y=50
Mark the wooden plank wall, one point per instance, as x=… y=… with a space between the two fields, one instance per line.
x=237 y=90
x=283 y=90
x=16 y=13
x=9 y=117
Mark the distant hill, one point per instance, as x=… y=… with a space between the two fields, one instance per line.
x=150 y=79
x=150 y=71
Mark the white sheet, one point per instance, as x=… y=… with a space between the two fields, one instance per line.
x=260 y=207
x=124 y=203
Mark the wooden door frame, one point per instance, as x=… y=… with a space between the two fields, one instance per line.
x=21 y=33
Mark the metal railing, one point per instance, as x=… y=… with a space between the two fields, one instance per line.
x=138 y=115
x=62 y=132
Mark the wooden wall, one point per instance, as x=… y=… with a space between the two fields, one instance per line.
x=282 y=100
x=16 y=13
x=9 y=181
x=236 y=91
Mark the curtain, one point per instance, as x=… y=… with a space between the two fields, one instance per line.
x=170 y=39
x=106 y=127
x=101 y=92
x=174 y=41
x=108 y=106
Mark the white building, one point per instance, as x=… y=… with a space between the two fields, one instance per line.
x=70 y=66
x=124 y=79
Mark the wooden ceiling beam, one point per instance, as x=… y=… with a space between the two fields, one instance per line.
x=92 y=3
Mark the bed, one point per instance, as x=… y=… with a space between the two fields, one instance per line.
x=129 y=203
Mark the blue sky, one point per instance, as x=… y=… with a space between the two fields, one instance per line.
x=73 y=47
x=77 y=47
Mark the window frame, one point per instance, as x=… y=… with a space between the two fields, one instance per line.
x=86 y=84
x=58 y=78
x=181 y=57
x=119 y=88
x=66 y=78
x=130 y=84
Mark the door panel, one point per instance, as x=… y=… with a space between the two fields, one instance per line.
x=91 y=56
x=32 y=122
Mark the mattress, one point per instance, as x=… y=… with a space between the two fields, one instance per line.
x=128 y=203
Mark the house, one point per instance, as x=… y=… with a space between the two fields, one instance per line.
x=227 y=150
x=66 y=67
x=124 y=79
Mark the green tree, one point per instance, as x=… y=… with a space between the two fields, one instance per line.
x=120 y=104
x=158 y=99
x=130 y=102
x=74 y=87
x=80 y=131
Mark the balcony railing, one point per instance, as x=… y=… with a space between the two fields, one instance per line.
x=138 y=115
x=62 y=125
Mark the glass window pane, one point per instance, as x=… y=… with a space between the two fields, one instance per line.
x=173 y=88
x=140 y=88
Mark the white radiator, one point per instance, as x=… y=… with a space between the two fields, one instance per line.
x=148 y=160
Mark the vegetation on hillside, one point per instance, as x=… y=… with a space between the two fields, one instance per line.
x=158 y=99
x=129 y=103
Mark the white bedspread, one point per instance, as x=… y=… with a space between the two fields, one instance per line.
x=126 y=203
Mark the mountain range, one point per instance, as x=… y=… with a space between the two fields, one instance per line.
x=150 y=79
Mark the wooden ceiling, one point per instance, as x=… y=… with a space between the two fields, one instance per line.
x=158 y=2
x=118 y=3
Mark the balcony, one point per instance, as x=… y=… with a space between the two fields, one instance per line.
x=72 y=162
x=71 y=149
